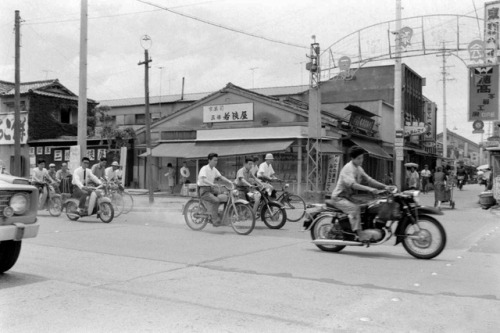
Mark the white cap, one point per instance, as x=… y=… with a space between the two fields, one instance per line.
x=269 y=157
x=52 y=165
x=115 y=164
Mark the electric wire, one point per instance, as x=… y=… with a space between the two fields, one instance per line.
x=224 y=27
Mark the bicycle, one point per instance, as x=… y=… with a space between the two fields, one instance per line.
x=241 y=216
x=294 y=205
x=111 y=191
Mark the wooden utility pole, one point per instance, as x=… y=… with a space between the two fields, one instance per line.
x=82 y=96
x=149 y=169
x=17 y=100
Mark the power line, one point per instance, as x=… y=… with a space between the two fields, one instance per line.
x=224 y=27
x=34 y=22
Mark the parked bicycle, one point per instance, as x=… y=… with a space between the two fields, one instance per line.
x=236 y=212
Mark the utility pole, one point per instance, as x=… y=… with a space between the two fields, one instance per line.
x=445 y=74
x=17 y=99
x=253 y=77
x=398 y=91
x=161 y=74
x=82 y=96
x=146 y=44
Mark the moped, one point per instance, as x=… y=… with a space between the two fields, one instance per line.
x=96 y=204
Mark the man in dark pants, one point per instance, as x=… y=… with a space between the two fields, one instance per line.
x=81 y=177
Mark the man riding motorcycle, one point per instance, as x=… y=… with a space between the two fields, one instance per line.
x=266 y=172
x=245 y=180
x=350 y=178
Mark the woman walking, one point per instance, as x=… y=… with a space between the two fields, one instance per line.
x=439 y=187
x=170 y=177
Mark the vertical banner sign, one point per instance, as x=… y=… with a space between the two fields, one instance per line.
x=123 y=163
x=332 y=172
x=483 y=93
x=74 y=158
x=7 y=125
x=491 y=33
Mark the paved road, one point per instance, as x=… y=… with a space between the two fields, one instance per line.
x=146 y=271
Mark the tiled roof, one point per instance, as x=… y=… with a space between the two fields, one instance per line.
x=271 y=91
x=73 y=98
x=26 y=86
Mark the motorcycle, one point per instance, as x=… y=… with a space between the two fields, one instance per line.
x=272 y=213
x=460 y=182
x=103 y=209
x=236 y=212
x=398 y=214
x=49 y=199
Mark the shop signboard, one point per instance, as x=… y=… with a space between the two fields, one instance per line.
x=430 y=121
x=332 y=172
x=227 y=113
x=7 y=125
x=496 y=188
x=74 y=158
x=483 y=93
x=415 y=128
x=361 y=122
x=491 y=31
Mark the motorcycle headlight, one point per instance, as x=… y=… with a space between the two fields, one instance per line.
x=236 y=192
x=19 y=203
x=269 y=191
x=416 y=197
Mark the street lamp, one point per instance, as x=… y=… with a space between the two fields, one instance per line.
x=146 y=43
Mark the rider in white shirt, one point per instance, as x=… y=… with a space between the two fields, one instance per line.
x=266 y=172
x=81 y=177
x=111 y=172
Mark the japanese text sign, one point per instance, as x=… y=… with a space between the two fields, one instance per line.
x=491 y=31
x=228 y=113
x=362 y=122
x=483 y=91
x=7 y=129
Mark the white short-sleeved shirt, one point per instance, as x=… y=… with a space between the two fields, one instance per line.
x=209 y=174
x=265 y=170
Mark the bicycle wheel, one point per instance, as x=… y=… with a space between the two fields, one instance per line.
x=242 y=219
x=295 y=207
x=117 y=203
x=128 y=200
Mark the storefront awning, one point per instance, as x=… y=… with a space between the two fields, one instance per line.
x=372 y=148
x=329 y=148
x=193 y=150
x=417 y=151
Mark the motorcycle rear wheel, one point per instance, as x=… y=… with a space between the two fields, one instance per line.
x=320 y=230
x=432 y=238
x=273 y=215
x=192 y=211
x=55 y=206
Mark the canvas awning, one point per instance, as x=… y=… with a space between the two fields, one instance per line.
x=372 y=148
x=193 y=150
x=329 y=148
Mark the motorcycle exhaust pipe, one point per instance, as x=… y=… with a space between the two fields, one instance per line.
x=336 y=242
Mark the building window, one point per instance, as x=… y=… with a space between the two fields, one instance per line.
x=178 y=135
x=65 y=116
x=140 y=119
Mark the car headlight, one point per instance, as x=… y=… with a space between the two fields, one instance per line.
x=19 y=203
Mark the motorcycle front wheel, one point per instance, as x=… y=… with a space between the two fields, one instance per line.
x=427 y=241
x=106 y=212
x=195 y=214
x=72 y=211
x=273 y=215
x=321 y=230
x=55 y=206
x=242 y=219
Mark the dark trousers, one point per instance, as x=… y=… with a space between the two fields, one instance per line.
x=80 y=194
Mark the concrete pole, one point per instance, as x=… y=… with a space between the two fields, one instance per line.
x=82 y=96
x=299 y=166
x=398 y=90
x=17 y=100
x=445 y=130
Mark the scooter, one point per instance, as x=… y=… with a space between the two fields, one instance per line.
x=96 y=204
x=49 y=199
x=460 y=182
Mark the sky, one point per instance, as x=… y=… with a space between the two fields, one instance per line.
x=209 y=57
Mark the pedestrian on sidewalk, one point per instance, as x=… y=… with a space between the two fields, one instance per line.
x=439 y=187
x=426 y=176
x=184 y=173
x=413 y=179
x=170 y=177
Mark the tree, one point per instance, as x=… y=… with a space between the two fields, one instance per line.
x=115 y=137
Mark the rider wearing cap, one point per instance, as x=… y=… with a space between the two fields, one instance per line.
x=350 y=178
x=266 y=171
x=110 y=172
